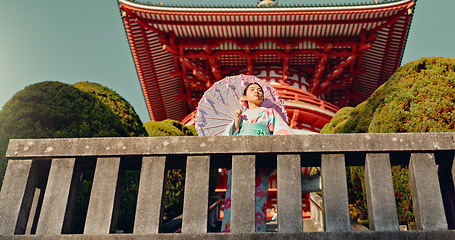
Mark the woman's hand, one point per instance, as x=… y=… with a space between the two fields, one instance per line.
x=237 y=118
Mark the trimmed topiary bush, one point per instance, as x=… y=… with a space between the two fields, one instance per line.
x=419 y=97
x=122 y=108
x=169 y=127
x=55 y=110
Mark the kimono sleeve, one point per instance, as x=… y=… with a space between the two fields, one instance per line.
x=228 y=131
x=278 y=125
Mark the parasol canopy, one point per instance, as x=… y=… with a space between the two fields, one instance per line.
x=217 y=106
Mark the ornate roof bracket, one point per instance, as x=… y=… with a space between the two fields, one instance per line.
x=148 y=27
x=170 y=49
x=318 y=73
x=358 y=49
x=194 y=83
x=216 y=69
x=288 y=55
x=334 y=73
x=249 y=65
x=365 y=44
x=184 y=93
x=198 y=71
x=211 y=57
x=207 y=49
x=285 y=70
x=182 y=96
x=321 y=66
x=138 y=20
x=198 y=54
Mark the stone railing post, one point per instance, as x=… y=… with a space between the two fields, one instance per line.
x=382 y=213
x=102 y=197
x=243 y=194
x=426 y=194
x=13 y=195
x=335 y=193
x=56 y=197
x=195 y=205
x=150 y=197
x=289 y=194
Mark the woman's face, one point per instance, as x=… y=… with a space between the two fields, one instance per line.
x=254 y=94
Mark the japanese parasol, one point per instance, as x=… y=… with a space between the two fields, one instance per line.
x=216 y=108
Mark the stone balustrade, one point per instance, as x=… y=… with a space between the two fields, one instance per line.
x=39 y=191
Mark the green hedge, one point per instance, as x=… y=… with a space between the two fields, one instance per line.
x=119 y=106
x=169 y=127
x=55 y=110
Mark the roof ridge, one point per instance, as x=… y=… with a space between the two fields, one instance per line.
x=375 y=2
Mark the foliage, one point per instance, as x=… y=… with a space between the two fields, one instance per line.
x=169 y=127
x=55 y=110
x=117 y=104
x=357 y=197
x=419 y=97
x=403 y=196
x=82 y=202
x=338 y=121
x=173 y=199
x=130 y=186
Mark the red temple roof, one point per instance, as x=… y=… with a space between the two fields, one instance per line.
x=344 y=52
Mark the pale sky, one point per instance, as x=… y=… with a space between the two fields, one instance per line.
x=84 y=40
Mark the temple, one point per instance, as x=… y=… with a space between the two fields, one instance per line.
x=318 y=57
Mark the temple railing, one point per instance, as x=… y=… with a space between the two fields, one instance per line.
x=39 y=191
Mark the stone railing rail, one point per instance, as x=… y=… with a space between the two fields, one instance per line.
x=54 y=165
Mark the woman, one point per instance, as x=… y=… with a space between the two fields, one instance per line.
x=256 y=120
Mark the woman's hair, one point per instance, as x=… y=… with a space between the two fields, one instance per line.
x=247 y=86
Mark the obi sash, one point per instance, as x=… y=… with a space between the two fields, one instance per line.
x=254 y=129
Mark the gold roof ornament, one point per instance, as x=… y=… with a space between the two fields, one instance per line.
x=267 y=3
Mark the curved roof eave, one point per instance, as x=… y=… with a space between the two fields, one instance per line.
x=261 y=9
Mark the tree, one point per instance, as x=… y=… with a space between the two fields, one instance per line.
x=419 y=97
x=55 y=110
x=119 y=106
